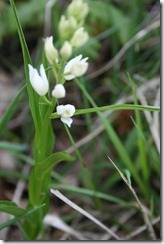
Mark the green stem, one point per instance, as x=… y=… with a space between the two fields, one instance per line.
x=141 y=142
x=46 y=101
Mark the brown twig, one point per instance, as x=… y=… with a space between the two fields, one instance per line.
x=85 y=213
x=141 y=229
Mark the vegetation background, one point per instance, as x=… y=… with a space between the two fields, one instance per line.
x=124 y=38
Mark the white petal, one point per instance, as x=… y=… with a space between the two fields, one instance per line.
x=84 y=60
x=69 y=65
x=50 y=50
x=60 y=109
x=67 y=121
x=39 y=84
x=69 y=77
x=44 y=77
x=32 y=72
x=79 y=69
x=70 y=109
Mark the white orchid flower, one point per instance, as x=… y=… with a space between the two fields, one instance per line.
x=50 y=51
x=59 y=91
x=39 y=82
x=75 y=67
x=66 y=112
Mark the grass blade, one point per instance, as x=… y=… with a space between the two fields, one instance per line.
x=116 y=107
x=7 y=115
x=117 y=143
x=141 y=142
x=13 y=146
x=33 y=96
x=91 y=193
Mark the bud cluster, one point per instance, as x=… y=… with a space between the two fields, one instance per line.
x=72 y=33
x=71 y=28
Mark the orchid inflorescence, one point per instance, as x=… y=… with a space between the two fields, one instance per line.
x=72 y=35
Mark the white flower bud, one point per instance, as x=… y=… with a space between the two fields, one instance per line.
x=79 y=38
x=66 y=111
x=59 y=91
x=79 y=9
x=50 y=51
x=66 y=50
x=39 y=82
x=75 y=67
x=67 y=27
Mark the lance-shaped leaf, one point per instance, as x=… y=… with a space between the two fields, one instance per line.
x=19 y=217
x=33 y=96
x=51 y=161
x=11 y=208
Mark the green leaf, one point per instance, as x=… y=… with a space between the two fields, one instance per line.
x=39 y=182
x=33 y=224
x=18 y=218
x=11 y=208
x=51 y=161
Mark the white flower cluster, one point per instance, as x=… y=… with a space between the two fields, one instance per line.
x=73 y=35
x=40 y=84
x=74 y=68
